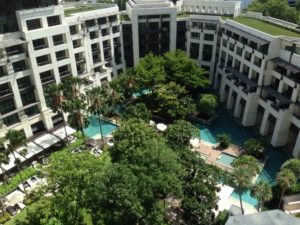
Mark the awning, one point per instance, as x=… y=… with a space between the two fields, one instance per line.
x=32 y=149
x=11 y=163
x=61 y=132
x=286 y=65
x=223 y=195
x=14 y=198
x=46 y=140
x=11 y=42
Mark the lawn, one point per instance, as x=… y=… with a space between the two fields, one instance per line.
x=83 y=8
x=266 y=27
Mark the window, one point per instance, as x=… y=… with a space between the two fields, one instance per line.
x=61 y=55
x=33 y=24
x=7 y=106
x=207 y=52
x=208 y=37
x=105 y=32
x=58 y=39
x=194 y=51
x=39 y=44
x=195 y=35
x=2 y=71
x=76 y=43
x=102 y=20
x=73 y=29
x=28 y=98
x=64 y=71
x=43 y=60
x=14 y=50
x=115 y=29
x=112 y=18
x=93 y=35
x=90 y=23
x=4 y=90
x=47 y=77
x=19 y=66
x=24 y=83
x=53 y=21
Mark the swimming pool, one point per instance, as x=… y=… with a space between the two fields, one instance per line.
x=93 y=130
x=225 y=123
x=226 y=159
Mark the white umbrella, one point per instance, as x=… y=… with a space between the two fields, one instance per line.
x=151 y=123
x=161 y=126
x=195 y=142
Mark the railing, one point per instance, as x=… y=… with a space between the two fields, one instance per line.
x=40 y=47
x=59 y=42
x=43 y=63
x=64 y=73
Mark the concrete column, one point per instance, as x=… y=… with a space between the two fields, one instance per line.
x=229 y=104
x=281 y=130
x=222 y=88
x=27 y=128
x=135 y=39
x=46 y=117
x=296 y=150
x=16 y=92
x=265 y=123
x=173 y=32
x=238 y=107
x=250 y=113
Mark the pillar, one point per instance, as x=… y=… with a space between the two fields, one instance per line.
x=281 y=130
x=250 y=113
x=296 y=150
x=238 y=107
x=265 y=124
x=229 y=104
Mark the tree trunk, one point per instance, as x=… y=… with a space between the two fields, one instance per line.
x=22 y=181
x=100 y=126
x=258 y=205
x=4 y=175
x=66 y=141
x=241 y=203
x=282 y=193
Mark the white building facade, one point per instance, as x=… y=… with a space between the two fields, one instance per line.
x=256 y=74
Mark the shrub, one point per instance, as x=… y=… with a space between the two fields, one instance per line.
x=224 y=140
x=254 y=147
x=139 y=111
x=222 y=218
x=207 y=104
x=16 y=180
x=4 y=218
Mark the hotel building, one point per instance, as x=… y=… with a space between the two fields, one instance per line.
x=255 y=73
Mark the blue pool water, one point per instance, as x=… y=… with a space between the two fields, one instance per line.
x=226 y=159
x=225 y=123
x=94 y=129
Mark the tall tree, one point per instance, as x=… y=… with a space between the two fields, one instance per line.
x=179 y=134
x=4 y=160
x=285 y=179
x=293 y=165
x=184 y=71
x=55 y=93
x=96 y=99
x=248 y=162
x=138 y=111
x=16 y=139
x=241 y=181
x=262 y=191
x=174 y=102
x=150 y=72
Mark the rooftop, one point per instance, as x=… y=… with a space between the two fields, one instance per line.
x=272 y=217
x=266 y=27
x=79 y=8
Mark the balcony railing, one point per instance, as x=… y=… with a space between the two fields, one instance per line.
x=40 y=47
x=65 y=73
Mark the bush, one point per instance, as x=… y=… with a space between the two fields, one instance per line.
x=16 y=180
x=4 y=218
x=222 y=218
x=254 y=148
x=139 y=111
x=224 y=140
x=207 y=104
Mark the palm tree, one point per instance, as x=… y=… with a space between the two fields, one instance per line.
x=285 y=179
x=241 y=181
x=55 y=92
x=96 y=99
x=16 y=139
x=77 y=107
x=262 y=191
x=72 y=87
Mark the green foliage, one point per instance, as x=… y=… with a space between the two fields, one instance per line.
x=174 y=102
x=222 y=218
x=16 y=180
x=262 y=191
x=138 y=111
x=4 y=218
x=249 y=162
x=254 y=147
x=16 y=138
x=207 y=104
x=275 y=8
x=224 y=140
x=179 y=134
x=150 y=72
x=293 y=165
x=184 y=71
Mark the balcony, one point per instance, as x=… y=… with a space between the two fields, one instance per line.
x=47 y=80
x=80 y=60
x=241 y=79
x=279 y=101
x=65 y=73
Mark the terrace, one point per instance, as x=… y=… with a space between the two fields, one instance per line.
x=79 y=8
x=265 y=27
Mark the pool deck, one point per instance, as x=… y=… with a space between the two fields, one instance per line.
x=212 y=154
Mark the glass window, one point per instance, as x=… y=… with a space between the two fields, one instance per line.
x=33 y=24
x=53 y=20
